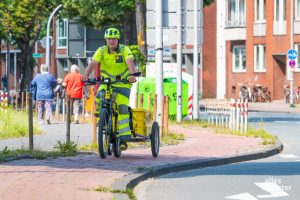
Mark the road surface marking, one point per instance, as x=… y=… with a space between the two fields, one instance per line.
x=242 y=196
x=281 y=122
x=273 y=188
x=288 y=156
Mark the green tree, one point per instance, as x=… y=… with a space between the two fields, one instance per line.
x=101 y=13
x=22 y=20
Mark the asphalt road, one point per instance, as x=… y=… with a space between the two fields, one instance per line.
x=277 y=177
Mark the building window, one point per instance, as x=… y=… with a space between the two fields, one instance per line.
x=297 y=9
x=279 y=10
x=65 y=65
x=239 y=59
x=62 y=33
x=297 y=67
x=259 y=58
x=260 y=10
x=235 y=13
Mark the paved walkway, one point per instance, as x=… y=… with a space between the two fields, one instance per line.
x=72 y=177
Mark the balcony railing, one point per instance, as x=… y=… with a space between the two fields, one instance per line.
x=235 y=23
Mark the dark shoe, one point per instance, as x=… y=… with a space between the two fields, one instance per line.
x=123 y=146
x=48 y=121
x=76 y=122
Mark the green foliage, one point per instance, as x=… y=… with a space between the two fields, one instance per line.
x=14 y=124
x=139 y=58
x=97 y=13
x=207 y=2
x=172 y=138
x=22 y=19
x=89 y=147
x=65 y=147
x=259 y=132
x=5 y=151
x=10 y=154
x=129 y=192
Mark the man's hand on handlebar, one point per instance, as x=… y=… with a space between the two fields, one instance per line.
x=132 y=79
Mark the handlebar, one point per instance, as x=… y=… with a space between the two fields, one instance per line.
x=107 y=81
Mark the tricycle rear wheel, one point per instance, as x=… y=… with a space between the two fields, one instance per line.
x=155 y=140
x=116 y=148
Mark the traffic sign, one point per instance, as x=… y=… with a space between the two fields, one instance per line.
x=292 y=54
x=37 y=55
x=292 y=63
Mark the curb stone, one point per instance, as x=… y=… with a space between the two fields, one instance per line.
x=131 y=180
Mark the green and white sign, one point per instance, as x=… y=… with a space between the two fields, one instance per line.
x=37 y=55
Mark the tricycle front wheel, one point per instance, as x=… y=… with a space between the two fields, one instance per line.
x=155 y=140
x=103 y=134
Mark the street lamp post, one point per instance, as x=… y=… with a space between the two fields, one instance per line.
x=48 y=37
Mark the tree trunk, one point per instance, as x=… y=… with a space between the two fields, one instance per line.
x=127 y=27
x=140 y=13
x=26 y=65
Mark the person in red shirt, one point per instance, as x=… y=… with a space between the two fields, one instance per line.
x=74 y=86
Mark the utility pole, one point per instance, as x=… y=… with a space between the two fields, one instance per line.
x=292 y=47
x=48 y=36
x=195 y=64
x=201 y=45
x=159 y=61
x=179 y=62
x=8 y=64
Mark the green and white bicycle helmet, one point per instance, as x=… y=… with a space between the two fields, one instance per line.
x=112 y=33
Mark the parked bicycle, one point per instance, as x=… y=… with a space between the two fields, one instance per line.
x=245 y=92
x=260 y=94
x=296 y=94
x=286 y=92
x=107 y=127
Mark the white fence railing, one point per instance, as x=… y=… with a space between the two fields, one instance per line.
x=232 y=114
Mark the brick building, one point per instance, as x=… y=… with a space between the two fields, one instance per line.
x=253 y=37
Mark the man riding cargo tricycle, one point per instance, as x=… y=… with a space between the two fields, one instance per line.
x=108 y=128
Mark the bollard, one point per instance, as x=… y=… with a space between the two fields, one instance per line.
x=141 y=100
x=242 y=115
x=155 y=107
x=57 y=107
x=30 y=120
x=149 y=102
x=22 y=102
x=94 y=120
x=68 y=119
x=246 y=116
x=231 y=118
x=238 y=109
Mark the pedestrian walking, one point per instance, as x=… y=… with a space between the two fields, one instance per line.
x=42 y=89
x=74 y=87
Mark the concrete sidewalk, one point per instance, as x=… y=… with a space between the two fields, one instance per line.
x=74 y=177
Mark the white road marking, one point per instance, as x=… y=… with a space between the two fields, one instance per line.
x=288 y=156
x=281 y=122
x=242 y=196
x=273 y=188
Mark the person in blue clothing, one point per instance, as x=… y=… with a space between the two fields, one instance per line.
x=42 y=88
